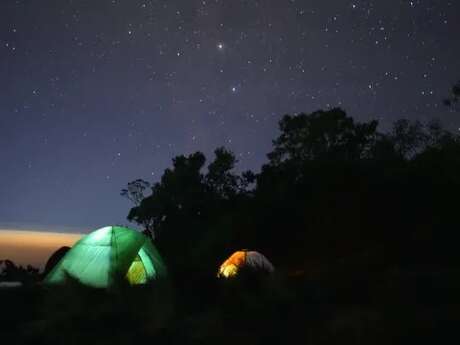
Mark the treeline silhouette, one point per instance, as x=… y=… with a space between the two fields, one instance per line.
x=11 y=272
x=336 y=195
x=361 y=226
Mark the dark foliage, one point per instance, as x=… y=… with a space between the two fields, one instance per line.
x=11 y=272
x=361 y=225
x=333 y=190
x=454 y=97
x=362 y=228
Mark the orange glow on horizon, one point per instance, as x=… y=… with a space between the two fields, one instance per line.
x=32 y=247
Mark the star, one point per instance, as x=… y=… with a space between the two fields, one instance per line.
x=187 y=74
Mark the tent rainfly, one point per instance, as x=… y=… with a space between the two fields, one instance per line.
x=108 y=255
x=244 y=258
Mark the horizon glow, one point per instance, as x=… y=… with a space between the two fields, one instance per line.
x=32 y=247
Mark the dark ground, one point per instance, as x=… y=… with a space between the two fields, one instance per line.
x=417 y=305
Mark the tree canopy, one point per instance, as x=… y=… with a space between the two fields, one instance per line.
x=332 y=187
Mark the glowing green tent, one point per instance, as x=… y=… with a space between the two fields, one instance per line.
x=108 y=255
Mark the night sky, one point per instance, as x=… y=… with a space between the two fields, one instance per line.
x=96 y=93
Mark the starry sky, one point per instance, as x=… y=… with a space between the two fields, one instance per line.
x=98 y=93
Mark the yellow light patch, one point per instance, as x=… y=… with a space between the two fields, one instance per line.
x=136 y=273
x=230 y=266
x=228 y=271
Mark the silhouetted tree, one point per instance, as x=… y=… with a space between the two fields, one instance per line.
x=322 y=135
x=220 y=178
x=333 y=190
x=12 y=272
x=180 y=191
x=135 y=191
x=408 y=137
x=412 y=138
x=191 y=207
x=454 y=96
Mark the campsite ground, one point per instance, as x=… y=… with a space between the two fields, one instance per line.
x=398 y=306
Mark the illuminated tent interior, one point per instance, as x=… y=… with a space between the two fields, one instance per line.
x=243 y=258
x=108 y=255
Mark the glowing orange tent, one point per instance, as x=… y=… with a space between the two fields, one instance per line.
x=244 y=258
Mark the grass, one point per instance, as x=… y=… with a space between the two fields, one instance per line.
x=398 y=306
